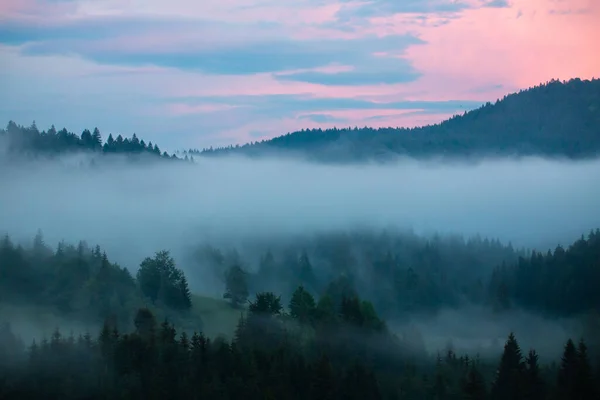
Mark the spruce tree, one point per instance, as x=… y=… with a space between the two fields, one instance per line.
x=474 y=385
x=566 y=383
x=533 y=384
x=584 y=381
x=236 y=286
x=302 y=305
x=509 y=377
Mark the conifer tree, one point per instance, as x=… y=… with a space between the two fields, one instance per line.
x=302 y=305
x=584 y=380
x=508 y=383
x=236 y=286
x=533 y=383
x=474 y=385
x=567 y=374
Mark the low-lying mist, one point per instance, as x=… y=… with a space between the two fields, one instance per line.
x=474 y=330
x=132 y=210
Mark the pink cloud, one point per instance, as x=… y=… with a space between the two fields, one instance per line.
x=36 y=11
x=464 y=57
x=518 y=46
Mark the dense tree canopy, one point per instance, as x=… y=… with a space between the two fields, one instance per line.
x=30 y=140
x=81 y=283
x=560 y=119
x=330 y=342
x=154 y=362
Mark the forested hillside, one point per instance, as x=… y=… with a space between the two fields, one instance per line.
x=329 y=343
x=18 y=140
x=555 y=119
x=403 y=274
x=81 y=284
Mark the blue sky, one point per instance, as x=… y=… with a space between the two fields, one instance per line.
x=189 y=73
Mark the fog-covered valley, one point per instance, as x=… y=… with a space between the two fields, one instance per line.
x=254 y=206
x=135 y=210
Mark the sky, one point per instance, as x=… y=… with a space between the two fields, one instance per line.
x=193 y=74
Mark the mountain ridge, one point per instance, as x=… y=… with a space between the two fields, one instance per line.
x=554 y=119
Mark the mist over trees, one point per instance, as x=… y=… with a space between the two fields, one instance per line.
x=328 y=340
x=308 y=304
x=81 y=283
x=404 y=276
x=554 y=119
x=344 y=353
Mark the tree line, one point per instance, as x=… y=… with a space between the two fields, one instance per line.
x=554 y=119
x=400 y=273
x=81 y=283
x=30 y=140
x=314 y=351
x=326 y=338
x=403 y=274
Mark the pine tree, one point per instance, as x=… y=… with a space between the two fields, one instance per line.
x=302 y=305
x=584 y=381
x=186 y=294
x=266 y=303
x=240 y=330
x=533 y=384
x=474 y=385
x=566 y=384
x=306 y=272
x=509 y=377
x=96 y=139
x=236 y=286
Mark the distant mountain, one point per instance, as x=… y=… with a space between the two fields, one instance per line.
x=19 y=141
x=555 y=119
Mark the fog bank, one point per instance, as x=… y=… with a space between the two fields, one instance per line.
x=134 y=210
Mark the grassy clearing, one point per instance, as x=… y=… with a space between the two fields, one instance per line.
x=212 y=316
x=218 y=317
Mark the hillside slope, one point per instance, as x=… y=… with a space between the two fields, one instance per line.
x=17 y=141
x=556 y=119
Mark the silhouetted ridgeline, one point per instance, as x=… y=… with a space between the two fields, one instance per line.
x=21 y=140
x=556 y=119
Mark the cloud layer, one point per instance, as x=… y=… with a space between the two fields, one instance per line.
x=134 y=210
x=194 y=74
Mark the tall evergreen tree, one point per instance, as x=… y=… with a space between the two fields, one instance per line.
x=508 y=383
x=533 y=383
x=236 y=286
x=474 y=385
x=302 y=305
x=566 y=384
x=584 y=380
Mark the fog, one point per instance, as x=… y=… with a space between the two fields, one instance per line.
x=474 y=330
x=134 y=210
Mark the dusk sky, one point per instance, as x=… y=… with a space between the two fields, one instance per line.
x=195 y=73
